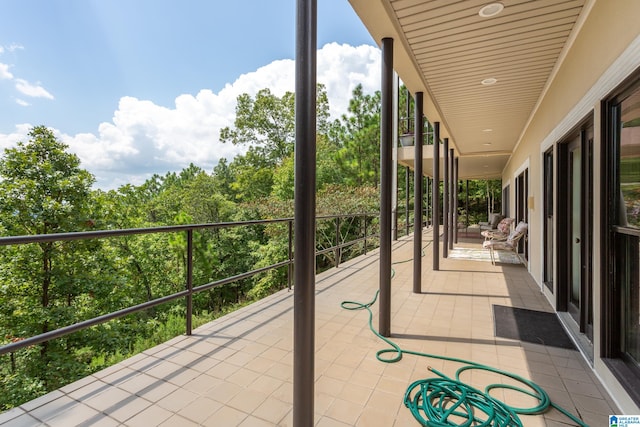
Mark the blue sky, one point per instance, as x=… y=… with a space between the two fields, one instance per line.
x=137 y=87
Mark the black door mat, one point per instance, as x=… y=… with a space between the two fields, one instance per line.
x=532 y=326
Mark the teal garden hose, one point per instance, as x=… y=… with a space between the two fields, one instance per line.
x=443 y=401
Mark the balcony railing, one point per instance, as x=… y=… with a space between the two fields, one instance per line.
x=337 y=245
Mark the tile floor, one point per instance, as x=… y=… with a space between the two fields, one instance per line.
x=237 y=370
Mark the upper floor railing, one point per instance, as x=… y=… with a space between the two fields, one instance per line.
x=365 y=223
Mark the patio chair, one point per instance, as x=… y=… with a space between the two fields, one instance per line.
x=492 y=224
x=510 y=244
x=501 y=232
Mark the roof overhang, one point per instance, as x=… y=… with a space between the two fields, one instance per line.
x=446 y=50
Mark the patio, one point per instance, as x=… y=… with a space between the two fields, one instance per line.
x=237 y=370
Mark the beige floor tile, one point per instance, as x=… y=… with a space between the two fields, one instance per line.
x=375 y=418
x=224 y=392
x=152 y=416
x=272 y=410
x=355 y=394
x=127 y=408
x=226 y=416
x=177 y=400
x=23 y=420
x=73 y=417
x=345 y=411
x=11 y=414
x=200 y=409
x=202 y=383
x=252 y=421
x=284 y=393
x=177 y=420
x=247 y=400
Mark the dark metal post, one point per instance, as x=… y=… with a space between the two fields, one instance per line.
x=407 y=179
x=445 y=200
x=386 y=140
x=425 y=209
x=466 y=206
x=304 y=219
x=452 y=183
x=455 y=199
x=365 y=234
x=417 y=196
x=429 y=207
x=189 y=281
x=435 y=197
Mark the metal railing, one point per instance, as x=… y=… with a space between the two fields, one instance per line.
x=190 y=289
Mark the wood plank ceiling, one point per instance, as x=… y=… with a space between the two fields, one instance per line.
x=456 y=49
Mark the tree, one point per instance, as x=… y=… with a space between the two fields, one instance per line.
x=43 y=190
x=358 y=135
x=267 y=123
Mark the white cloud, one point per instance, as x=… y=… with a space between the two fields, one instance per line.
x=5 y=74
x=14 y=46
x=34 y=91
x=22 y=102
x=11 y=139
x=143 y=138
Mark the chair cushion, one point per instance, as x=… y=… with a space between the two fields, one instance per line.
x=494 y=219
x=505 y=225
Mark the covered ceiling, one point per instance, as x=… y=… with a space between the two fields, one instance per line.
x=483 y=76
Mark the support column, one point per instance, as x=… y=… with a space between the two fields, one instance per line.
x=394 y=190
x=466 y=206
x=427 y=201
x=305 y=210
x=407 y=180
x=425 y=208
x=417 y=196
x=435 y=197
x=445 y=200
x=452 y=183
x=456 y=188
x=386 y=141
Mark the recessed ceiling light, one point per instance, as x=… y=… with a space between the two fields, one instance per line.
x=492 y=9
x=486 y=166
x=486 y=143
x=487 y=130
x=488 y=82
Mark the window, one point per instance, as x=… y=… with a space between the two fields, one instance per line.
x=628 y=142
x=621 y=228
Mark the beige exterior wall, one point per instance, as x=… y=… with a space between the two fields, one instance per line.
x=607 y=31
x=605 y=51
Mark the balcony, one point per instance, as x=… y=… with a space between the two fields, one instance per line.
x=238 y=369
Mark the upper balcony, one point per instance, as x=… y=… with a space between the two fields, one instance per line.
x=238 y=370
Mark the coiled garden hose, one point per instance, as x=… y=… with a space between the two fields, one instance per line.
x=444 y=401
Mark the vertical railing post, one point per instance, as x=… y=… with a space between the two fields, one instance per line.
x=189 y=281
x=290 y=266
x=365 y=234
x=337 y=250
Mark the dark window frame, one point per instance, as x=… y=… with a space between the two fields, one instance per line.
x=614 y=237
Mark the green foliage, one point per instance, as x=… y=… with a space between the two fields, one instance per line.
x=484 y=197
x=45 y=286
x=358 y=136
